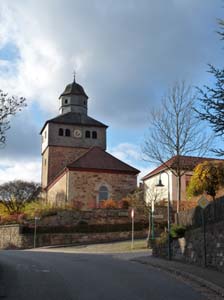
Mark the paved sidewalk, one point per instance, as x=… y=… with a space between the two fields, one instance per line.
x=210 y=278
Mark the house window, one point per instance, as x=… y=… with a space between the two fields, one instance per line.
x=87 y=134
x=45 y=134
x=67 y=132
x=103 y=193
x=94 y=135
x=61 y=131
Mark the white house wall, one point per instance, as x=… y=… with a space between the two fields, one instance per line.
x=150 y=183
x=150 y=187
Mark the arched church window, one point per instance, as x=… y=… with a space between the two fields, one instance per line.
x=61 y=131
x=94 y=135
x=103 y=193
x=66 y=101
x=67 y=132
x=87 y=134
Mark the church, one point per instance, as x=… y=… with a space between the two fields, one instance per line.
x=75 y=164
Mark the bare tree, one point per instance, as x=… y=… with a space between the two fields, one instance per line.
x=8 y=107
x=152 y=195
x=15 y=194
x=174 y=130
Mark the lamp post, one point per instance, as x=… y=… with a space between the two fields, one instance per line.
x=152 y=218
x=35 y=231
x=160 y=184
x=133 y=230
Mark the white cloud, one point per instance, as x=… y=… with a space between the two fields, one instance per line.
x=131 y=154
x=127 y=152
x=145 y=171
x=125 y=53
x=22 y=170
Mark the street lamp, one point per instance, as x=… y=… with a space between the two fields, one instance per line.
x=160 y=184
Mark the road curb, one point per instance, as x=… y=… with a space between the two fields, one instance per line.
x=202 y=282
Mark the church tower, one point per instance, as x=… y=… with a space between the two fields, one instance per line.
x=69 y=135
x=73 y=99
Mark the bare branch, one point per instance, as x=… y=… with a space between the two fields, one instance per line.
x=174 y=130
x=9 y=106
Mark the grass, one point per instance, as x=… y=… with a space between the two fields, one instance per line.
x=116 y=247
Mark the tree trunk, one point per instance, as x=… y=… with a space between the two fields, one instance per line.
x=149 y=230
x=178 y=196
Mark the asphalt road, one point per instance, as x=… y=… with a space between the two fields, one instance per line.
x=71 y=276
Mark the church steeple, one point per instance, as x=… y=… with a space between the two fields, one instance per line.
x=73 y=99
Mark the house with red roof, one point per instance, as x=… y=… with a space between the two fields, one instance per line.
x=166 y=173
x=75 y=163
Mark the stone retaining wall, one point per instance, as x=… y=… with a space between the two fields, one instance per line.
x=91 y=217
x=11 y=237
x=190 y=249
x=214 y=212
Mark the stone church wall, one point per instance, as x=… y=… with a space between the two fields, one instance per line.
x=71 y=141
x=59 y=157
x=84 y=186
x=44 y=172
x=57 y=194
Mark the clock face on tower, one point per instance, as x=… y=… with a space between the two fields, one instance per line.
x=77 y=133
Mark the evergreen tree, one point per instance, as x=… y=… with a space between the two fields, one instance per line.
x=212 y=99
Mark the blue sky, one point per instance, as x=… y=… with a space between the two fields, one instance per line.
x=126 y=55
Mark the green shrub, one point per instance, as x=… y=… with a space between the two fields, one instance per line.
x=44 y=209
x=162 y=239
x=177 y=231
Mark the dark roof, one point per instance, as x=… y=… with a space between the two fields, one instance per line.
x=74 y=89
x=72 y=118
x=98 y=159
x=186 y=162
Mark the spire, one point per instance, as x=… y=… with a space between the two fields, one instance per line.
x=74 y=74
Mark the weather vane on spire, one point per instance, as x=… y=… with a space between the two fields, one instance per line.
x=74 y=74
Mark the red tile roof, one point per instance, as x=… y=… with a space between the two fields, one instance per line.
x=98 y=159
x=187 y=163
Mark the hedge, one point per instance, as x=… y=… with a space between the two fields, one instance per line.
x=85 y=228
